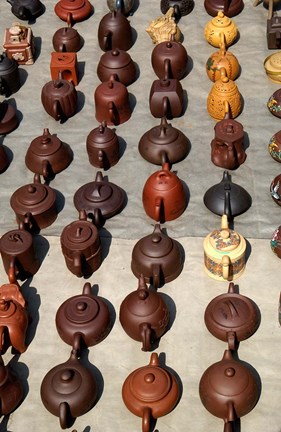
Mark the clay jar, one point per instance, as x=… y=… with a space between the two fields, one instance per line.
x=73 y=10
x=18 y=252
x=118 y=63
x=9 y=76
x=169 y=59
x=228 y=389
x=157 y=257
x=150 y=392
x=26 y=9
x=67 y=39
x=59 y=98
x=220 y=24
x=103 y=147
x=164 y=143
x=47 y=155
x=115 y=31
x=222 y=58
x=274 y=146
x=81 y=246
x=224 y=253
x=166 y=98
x=144 y=315
x=274 y=103
x=229 y=8
x=84 y=316
x=112 y=102
x=8 y=118
x=35 y=205
x=11 y=391
x=181 y=7
x=124 y=5
x=163 y=195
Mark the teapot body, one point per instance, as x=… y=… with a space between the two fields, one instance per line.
x=66 y=39
x=9 y=75
x=27 y=9
x=219 y=59
x=124 y=5
x=11 y=391
x=103 y=147
x=181 y=7
x=218 y=25
x=169 y=59
x=115 y=32
x=73 y=10
x=117 y=62
x=166 y=98
x=59 y=98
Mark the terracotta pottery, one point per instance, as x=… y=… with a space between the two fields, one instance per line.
x=166 y=98
x=274 y=103
x=272 y=66
x=103 y=147
x=59 y=98
x=222 y=58
x=115 y=32
x=275 y=242
x=227 y=198
x=84 y=316
x=157 y=257
x=9 y=75
x=224 y=90
x=169 y=60
x=163 y=195
x=112 y=102
x=81 y=246
x=27 y=9
x=229 y=7
x=18 y=252
x=100 y=199
x=181 y=7
x=274 y=146
x=150 y=392
x=232 y=317
x=35 y=205
x=19 y=44
x=164 y=143
x=118 y=63
x=67 y=39
x=73 y=10
x=11 y=391
x=144 y=315
x=163 y=28
x=47 y=155
x=8 y=118
x=124 y=5
x=275 y=189
x=4 y=161
x=69 y=390
x=220 y=24
x=228 y=389
x=224 y=253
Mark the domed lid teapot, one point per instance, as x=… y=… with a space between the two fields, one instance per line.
x=144 y=315
x=117 y=62
x=115 y=31
x=59 y=98
x=103 y=146
x=73 y=10
x=169 y=59
x=228 y=7
x=220 y=24
x=67 y=39
x=222 y=58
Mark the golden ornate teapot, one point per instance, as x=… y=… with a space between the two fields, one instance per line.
x=222 y=58
x=220 y=24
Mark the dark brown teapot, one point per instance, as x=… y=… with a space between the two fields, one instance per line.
x=9 y=75
x=11 y=391
x=150 y=392
x=73 y=10
x=166 y=98
x=8 y=118
x=115 y=31
x=27 y=9
x=157 y=257
x=181 y=7
x=229 y=7
x=164 y=143
x=103 y=147
x=118 y=63
x=67 y=39
x=169 y=60
x=144 y=315
x=59 y=98
x=4 y=161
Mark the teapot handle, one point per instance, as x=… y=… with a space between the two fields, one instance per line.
x=56 y=110
x=101 y=156
x=228 y=427
x=270 y=9
x=225 y=266
x=145 y=331
x=64 y=415
x=222 y=44
x=46 y=168
x=12 y=271
x=156 y=275
x=167 y=69
x=158 y=208
x=146 y=419
x=27 y=221
x=105 y=45
x=77 y=263
x=165 y=106
x=119 y=4
x=98 y=219
x=177 y=12
x=112 y=116
x=231 y=339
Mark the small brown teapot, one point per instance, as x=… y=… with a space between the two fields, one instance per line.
x=169 y=60
x=103 y=147
x=67 y=39
x=73 y=10
x=144 y=315
x=59 y=98
x=11 y=390
x=118 y=63
x=228 y=7
x=115 y=31
x=166 y=98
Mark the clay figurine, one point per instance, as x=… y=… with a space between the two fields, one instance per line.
x=162 y=28
x=181 y=7
x=220 y=24
x=19 y=44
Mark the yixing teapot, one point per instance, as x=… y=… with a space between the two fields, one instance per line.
x=11 y=390
x=115 y=31
x=220 y=24
x=229 y=7
x=144 y=315
x=9 y=75
x=150 y=392
x=232 y=317
x=169 y=60
x=73 y=11
x=164 y=143
x=81 y=246
x=8 y=118
x=166 y=98
x=224 y=253
x=67 y=39
x=118 y=63
x=181 y=7
x=163 y=195
x=274 y=146
x=103 y=147
x=27 y=9
x=157 y=257
x=47 y=155
x=222 y=58
x=125 y=6
x=85 y=317
x=59 y=98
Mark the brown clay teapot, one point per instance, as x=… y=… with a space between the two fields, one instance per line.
x=157 y=257
x=73 y=10
x=181 y=7
x=229 y=7
x=103 y=146
x=11 y=390
x=59 y=98
x=9 y=75
x=163 y=195
x=117 y=62
x=164 y=143
x=222 y=58
x=144 y=315
x=169 y=59
x=8 y=118
x=150 y=392
x=166 y=98
x=47 y=155
x=67 y=39
x=83 y=316
x=115 y=31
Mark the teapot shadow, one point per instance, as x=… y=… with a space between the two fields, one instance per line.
x=84 y=359
x=34 y=302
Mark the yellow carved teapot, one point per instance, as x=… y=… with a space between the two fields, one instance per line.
x=220 y=24
x=222 y=58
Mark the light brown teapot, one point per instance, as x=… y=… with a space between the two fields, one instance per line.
x=217 y=25
x=222 y=58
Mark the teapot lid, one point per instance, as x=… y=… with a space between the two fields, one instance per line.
x=157 y=244
x=101 y=134
x=111 y=87
x=32 y=195
x=162 y=180
x=165 y=133
x=221 y=20
x=143 y=302
x=115 y=59
x=16 y=241
x=72 y=5
x=167 y=48
x=225 y=239
x=150 y=383
x=46 y=144
x=229 y=130
x=81 y=309
x=78 y=233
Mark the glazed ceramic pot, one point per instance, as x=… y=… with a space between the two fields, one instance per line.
x=59 y=98
x=169 y=60
x=230 y=7
x=81 y=246
x=8 y=118
x=118 y=63
x=163 y=195
x=222 y=58
x=275 y=189
x=224 y=253
x=275 y=242
x=274 y=103
x=157 y=257
x=274 y=146
x=85 y=316
x=11 y=390
x=144 y=315
x=47 y=155
x=150 y=392
x=272 y=66
x=166 y=98
x=103 y=147
x=124 y=5
x=9 y=75
x=115 y=32
x=181 y=7
x=232 y=317
x=73 y=10
x=67 y=39
x=27 y=9
x=220 y=24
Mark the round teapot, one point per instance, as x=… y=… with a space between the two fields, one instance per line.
x=157 y=257
x=150 y=392
x=69 y=390
x=274 y=146
x=59 y=98
x=67 y=39
x=8 y=118
x=229 y=7
x=144 y=315
x=164 y=143
x=163 y=195
x=85 y=316
x=73 y=10
x=220 y=24
x=228 y=389
x=11 y=391
x=224 y=253
x=181 y=7
x=124 y=5
x=115 y=31
x=169 y=59
x=222 y=58
x=9 y=75
x=118 y=63
x=47 y=155
x=27 y=9
x=103 y=147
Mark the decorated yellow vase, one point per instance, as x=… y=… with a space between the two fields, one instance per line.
x=224 y=253
x=222 y=58
x=220 y=24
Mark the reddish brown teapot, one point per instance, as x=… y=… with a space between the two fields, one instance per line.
x=11 y=391
x=117 y=62
x=115 y=32
x=169 y=59
x=59 y=98
x=103 y=147
x=144 y=315
x=73 y=10
x=166 y=98
x=67 y=39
